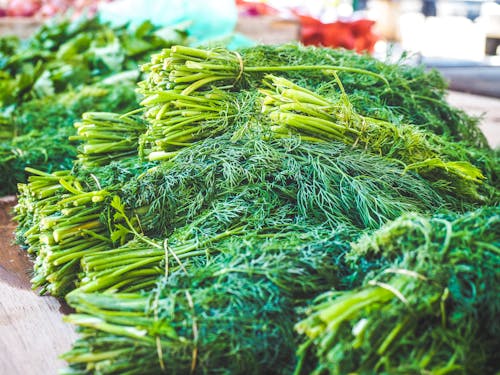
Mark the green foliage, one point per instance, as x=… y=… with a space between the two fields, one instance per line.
x=195 y=240
x=48 y=81
x=48 y=151
x=67 y=54
x=428 y=304
x=231 y=312
x=324 y=183
x=7 y=129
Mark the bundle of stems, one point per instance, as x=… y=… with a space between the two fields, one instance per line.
x=65 y=237
x=238 y=326
x=231 y=313
x=140 y=262
x=188 y=94
x=416 y=95
x=428 y=304
x=7 y=128
x=179 y=106
x=107 y=137
x=36 y=199
x=177 y=120
x=64 y=223
x=297 y=110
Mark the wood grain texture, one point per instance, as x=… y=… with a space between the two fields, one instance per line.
x=32 y=333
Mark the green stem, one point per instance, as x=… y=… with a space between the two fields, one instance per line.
x=285 y=68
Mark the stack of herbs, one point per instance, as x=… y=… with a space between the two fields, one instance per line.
x=49 y=80
x=429 y=300
x=239 y=205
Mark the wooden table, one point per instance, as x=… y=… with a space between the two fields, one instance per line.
x=486 y=107
x=32 y=333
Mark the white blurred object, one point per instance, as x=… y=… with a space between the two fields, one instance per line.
x=490 y=19
x=449 y=36
x=411 y=27
x=385 y=13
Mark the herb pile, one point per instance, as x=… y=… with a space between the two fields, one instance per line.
x=428 y=302
x=336 y=216
x=66 y=69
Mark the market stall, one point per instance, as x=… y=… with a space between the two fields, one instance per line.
x=180 y=197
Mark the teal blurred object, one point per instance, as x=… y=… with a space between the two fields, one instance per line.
x=230 y=41
x=207 y=19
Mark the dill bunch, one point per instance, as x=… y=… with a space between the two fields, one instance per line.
x=42 y=130
x=295 y=109
x=59 y=221
x=414 y=95
x=324 y=182
x=64 y=215
x=238 y=326
x=230 y=313
x=428 y=304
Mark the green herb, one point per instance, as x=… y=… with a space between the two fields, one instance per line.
x=193 y=233
x=107 y=137
x=428 y=304
x=414 y=96
x=296 y=109
x=231 y=313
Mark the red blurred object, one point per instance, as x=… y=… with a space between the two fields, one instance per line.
x=355 y=35
x=23 y=8
x=250 y=8
x=49 y=8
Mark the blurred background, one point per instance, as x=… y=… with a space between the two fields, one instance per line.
x=462 y=29
x=461 y=38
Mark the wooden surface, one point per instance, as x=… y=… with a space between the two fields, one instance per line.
x=32 y=333
x=487 y=107
x=22 y=27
